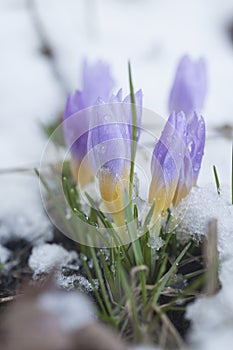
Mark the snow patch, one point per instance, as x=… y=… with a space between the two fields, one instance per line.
x=46 y=257
x=212 y=321
x=204 y=204
x=212 y=317
x=34 y=229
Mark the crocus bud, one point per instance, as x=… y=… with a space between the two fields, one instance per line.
x=195 y=141
x=166 y=163
x=96 y=82
x=109 y=147
x=189 y=88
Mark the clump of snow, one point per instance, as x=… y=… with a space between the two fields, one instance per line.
x=155 y=242
x=77 y=282
x=72 y=310
x=4 y=254
x=212 y=317
x=46 y=257
x=204 y=204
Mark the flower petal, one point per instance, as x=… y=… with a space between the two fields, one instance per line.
x=190 y=86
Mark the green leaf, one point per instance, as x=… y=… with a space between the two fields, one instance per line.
x=102 y=286
x=132 y=230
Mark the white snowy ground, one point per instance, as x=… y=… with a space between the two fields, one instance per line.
x=153 y=35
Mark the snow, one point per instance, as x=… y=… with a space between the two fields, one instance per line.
x=212 y=317
x=77 y=282
x=212 y=321
x=28 y=95
x=46 y=257
x=72 y=310
x=204 y=204
x=21 y=215
x=4 y=254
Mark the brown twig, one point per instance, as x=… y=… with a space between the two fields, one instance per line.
x=168 y=327
x=211 y=257
x=16 y=170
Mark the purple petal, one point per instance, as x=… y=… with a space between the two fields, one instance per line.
x=74 y=104
x=109 y=140
x=199 y=144
x=195 y=141
x=97 y=82
x=190 y=86
x=138 y=103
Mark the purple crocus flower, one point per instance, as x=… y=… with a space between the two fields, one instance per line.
x=96 y=82
x=109 y=150
x=189 y=88
x=166 y=163
x=195 y=141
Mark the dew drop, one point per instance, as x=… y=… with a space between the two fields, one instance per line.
x=68 y=213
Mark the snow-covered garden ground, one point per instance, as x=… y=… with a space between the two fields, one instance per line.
x=33 y=88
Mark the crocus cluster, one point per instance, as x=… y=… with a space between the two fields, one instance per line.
x=105 y=137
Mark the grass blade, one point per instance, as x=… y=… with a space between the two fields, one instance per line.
x=134 y=131
x=159 y=288
x=216 y=180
